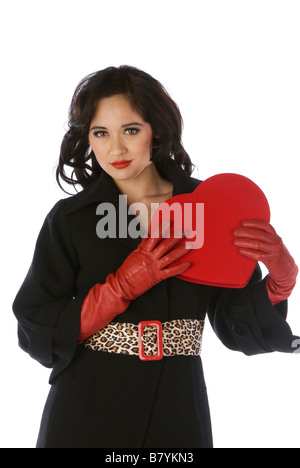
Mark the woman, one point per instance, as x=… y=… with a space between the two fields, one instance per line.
x=84 y=296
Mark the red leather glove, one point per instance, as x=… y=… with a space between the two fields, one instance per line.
x=143 y=268
x=259 y=241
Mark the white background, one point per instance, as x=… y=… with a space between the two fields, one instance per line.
x=233 y=68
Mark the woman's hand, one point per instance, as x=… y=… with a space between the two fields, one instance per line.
x=148 y=265
x=259 y=241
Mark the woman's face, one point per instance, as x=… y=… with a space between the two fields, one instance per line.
x=120 y=138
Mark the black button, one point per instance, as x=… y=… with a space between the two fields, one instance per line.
x=239 y=329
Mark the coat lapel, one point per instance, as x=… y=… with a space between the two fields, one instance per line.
x=105 y=190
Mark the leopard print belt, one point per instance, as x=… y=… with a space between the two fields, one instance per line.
x=150 y=340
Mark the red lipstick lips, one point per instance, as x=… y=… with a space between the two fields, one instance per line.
x=120 y=164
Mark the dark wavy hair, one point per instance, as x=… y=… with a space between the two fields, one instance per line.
x=146 y=95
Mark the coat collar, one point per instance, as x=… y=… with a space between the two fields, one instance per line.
x=105 y=190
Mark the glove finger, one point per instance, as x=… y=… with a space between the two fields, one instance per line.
x=258 y=224
x=166 y=245
x=251 y=254
x=253 y=244
x=150 y=244
x=175 y=270
x=156 y=236
x=254 y=234
x=173 y=255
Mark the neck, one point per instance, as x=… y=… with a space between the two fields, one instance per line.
x=146 y=184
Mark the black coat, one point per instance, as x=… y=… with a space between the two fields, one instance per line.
x=105 y=400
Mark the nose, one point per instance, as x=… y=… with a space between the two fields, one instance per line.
x=117 y=147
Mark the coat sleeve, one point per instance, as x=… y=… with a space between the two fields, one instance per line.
x=245 y=319
x=47 y=307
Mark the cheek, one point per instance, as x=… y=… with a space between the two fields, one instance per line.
x=101 y=159
x=99 y=151
x=145 y=147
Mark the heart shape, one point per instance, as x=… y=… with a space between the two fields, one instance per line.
x=210 y=215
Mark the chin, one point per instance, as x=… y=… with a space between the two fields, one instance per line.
x=122 y=174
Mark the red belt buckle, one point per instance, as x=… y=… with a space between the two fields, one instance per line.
x=160 y=353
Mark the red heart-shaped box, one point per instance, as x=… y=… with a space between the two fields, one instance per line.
x=214 y=210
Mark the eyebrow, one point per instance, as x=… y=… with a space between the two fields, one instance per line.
x=122 y=126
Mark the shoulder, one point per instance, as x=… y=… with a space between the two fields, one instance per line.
x=58 y=209
x=191 y=183
x=195 y=182
x=69 y=204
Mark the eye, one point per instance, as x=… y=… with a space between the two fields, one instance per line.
x=132 y=131
x=100 y=133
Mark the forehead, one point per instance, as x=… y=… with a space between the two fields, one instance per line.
x=115 y=109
